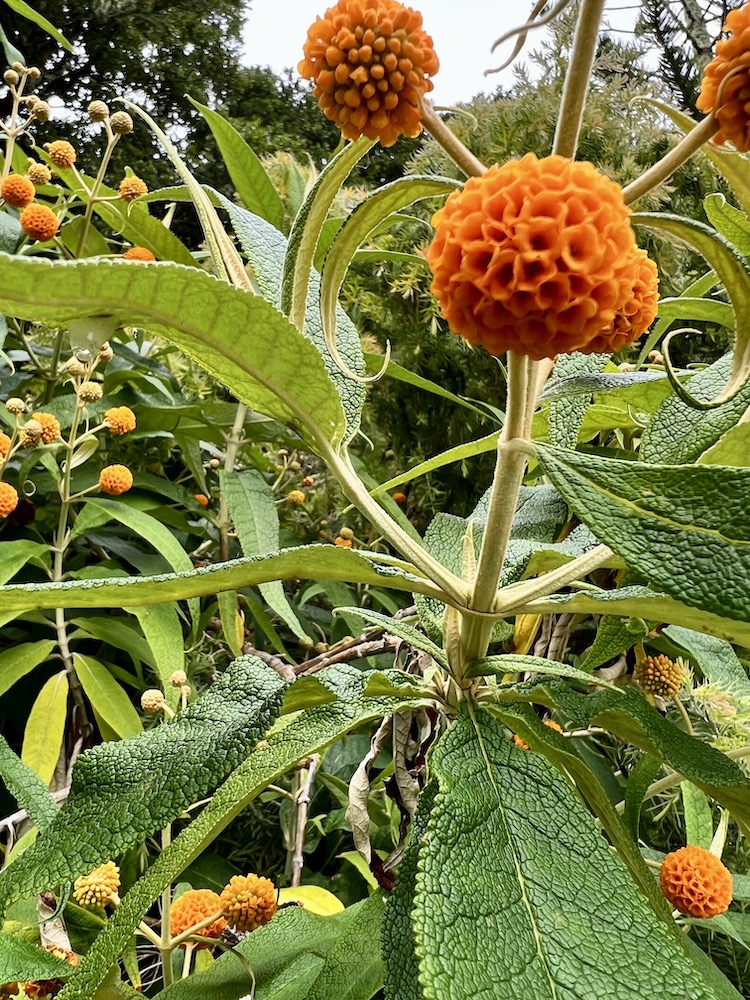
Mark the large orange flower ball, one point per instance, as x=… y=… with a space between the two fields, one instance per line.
x=539 y=257
x=370 y=62
x=191 y=908
x=732 y=56
x=696 y=882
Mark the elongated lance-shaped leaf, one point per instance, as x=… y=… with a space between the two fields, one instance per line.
x=27 y=11
x=26 y=787
x=326 y=562
x=686 y=528
x=239 y=338
x=549 y=913
x=733 y=224
x=688 y=309
x=366 y=217
x=374 y=363
x=517 y=663
x=308 y=733
x=457 y=454
x=124 y=791
x=731 y=268
x=20 y=961
x=307 y=227
x=250 y=179
x=702 y=286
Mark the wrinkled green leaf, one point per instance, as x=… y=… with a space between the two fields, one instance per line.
x=21 y=960
x=566 y=415
x=614 y=636
x=514 y=663
x=26 y=787
x=716 y=659
x=699 y=828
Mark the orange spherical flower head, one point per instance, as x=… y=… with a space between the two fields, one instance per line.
x=370 y=63
x=400 y=498
x=120 y=420
x=343 y=543
x=62 y=154
x=39 y=222
x=138 y=253
x=8 y=499
x=115 y=479
x=658 y=675
x=202 y=499
x=730 y=102
x=538 y=256
x=696 y=882
x=50 y=427
x=4 y=445
x=132 y=187
x=549 y=723
x=249 y=901
x=17 y=191
x=191 y=908
x=98 y=887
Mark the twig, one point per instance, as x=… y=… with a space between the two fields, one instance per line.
x=18 y=817
x=356 y=649
x=303 y=806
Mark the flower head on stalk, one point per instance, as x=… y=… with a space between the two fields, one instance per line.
x=725 y=88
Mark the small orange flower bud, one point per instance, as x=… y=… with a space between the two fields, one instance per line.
x=39 y=222
x=62 y=154
x=50 y=427
x=202 y=499
x=539 y=257
x=132 y=187
x=696 y=882
x=249 y=901
x=17 y=191
x=296 y=497
x=4 y=445
x=8 y=499
x=138 y=253
x=370 y=63
x=658 y=675
x=400 y=498
x=732 y=56
x=549 y=723
x=39 y=174
x=115 y=479
x=343 y=543
x=120 y=420
x=191 y=908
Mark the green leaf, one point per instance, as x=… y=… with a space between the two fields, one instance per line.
x=18 y=661
x=566 y=415
x=374 y=363
x=250 y=180
x=252 y=507
x=299 y=956
x=614 y=636
x=514 y=663
x=670 y=523
x=307 y=227
x=689 y=309
x=232 y=624
x=733 y=225
x=732 y=448
x=238 y=338
x=26 y=787
x=107 y=697
x=716 y=659
x=679 y=433
x=550 y=912
x=324 y=562
x=399 y=956
x=22 y=961
x=163 y=632
x=25 y=10
x=123 y=791
x=294 y=740
x=15 y=555
x=699 y=828
x=45 y=728
x=639 y=780
x=366 y=217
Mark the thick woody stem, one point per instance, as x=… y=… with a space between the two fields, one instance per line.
x=303 y=806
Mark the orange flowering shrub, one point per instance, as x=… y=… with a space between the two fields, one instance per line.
x=249 y=901
x=138 y=253
x=370 y=62
x=192 y=907
x=538 y=256
x=8 y=499
x=120 y=420
x=4 y=445
x=732 y=56
x=660 y=676
x=50 y=427
x=17 y=191
x=696 y=882
x=39 y=222
x=132 y=187
x=62 y=154
x=115 y=479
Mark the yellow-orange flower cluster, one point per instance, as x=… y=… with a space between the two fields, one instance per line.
x=539 y=257
x=17 y=191
x=62 y=154
x=370 y=62
x=8 y=499
x=50 y=987
x=249 y=901
x=132 y=187
x=191 y=908
x=4 y=445
x=39 y=174
x=39 y=222
x=659 y=675
x=98 y=887
x=138 y=253
x=732 y=107
x=696 y=882
x=550 y=723
x=202 y=499
x=50 y=427
x=120 y=420
x=115 y=480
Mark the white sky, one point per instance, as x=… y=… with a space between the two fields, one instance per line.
x=463 y=32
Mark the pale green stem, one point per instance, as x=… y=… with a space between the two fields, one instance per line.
x=683 y=712
x=166 y=944
x=195 y=929
x=450 y=142
x=577 y=78
x=664 y=169
x=150 y=935
x=91 y=199
x=511 y=599
x=13 y=130
x=233 y=447
x=671 y=780
x=187 y=958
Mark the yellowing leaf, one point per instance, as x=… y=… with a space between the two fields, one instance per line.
x=45 y=727
x=312 y=898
